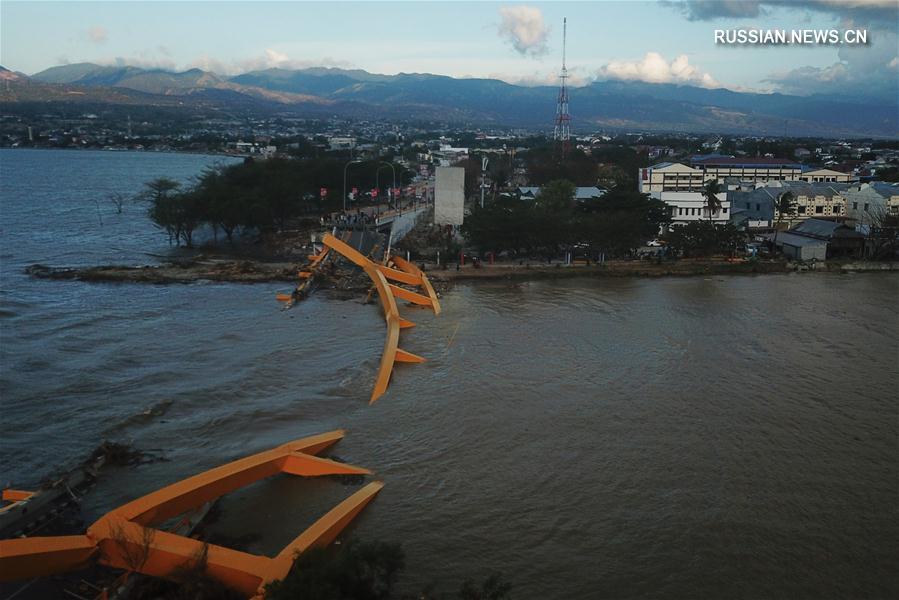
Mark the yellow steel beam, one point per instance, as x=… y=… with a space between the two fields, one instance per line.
x=409 y=296
x=123 y=538
x=407 y=357
x=195 y=491
x=16 y=495
x=322 y=532
x=127 y=545
x=24 y=558
x=408 y=267
x=401 y=276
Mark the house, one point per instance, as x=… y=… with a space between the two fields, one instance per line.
x=341 y=143
x=687 y=207
x=753 y=208
x=826 y=176
x=866 y=203
x=799 y=247
x=580 y=193
x=805 y=240
x=812 y=199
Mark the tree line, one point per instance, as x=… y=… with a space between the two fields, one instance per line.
x=615 y=225
x=259 y=196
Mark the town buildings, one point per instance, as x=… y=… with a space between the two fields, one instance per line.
x=820 y=239
x=687 y=207
x=746 y=168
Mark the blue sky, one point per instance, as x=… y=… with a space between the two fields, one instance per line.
x=517 y=41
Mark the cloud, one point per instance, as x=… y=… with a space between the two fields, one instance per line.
x=97 y=34
x=872 y=12
x=542 y=78
x=653 y=68
x=860 y=71
x=147 y=59
x=269 y=59
x=524 y=29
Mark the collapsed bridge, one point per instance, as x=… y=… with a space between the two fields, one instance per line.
x=396 y=278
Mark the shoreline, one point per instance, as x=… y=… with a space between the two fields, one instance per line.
x=228 y=270
x=215 y=153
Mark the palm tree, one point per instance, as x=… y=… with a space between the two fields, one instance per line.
x=710 y=193
x=784 y=205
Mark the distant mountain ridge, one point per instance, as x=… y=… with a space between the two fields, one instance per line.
x=607 y=104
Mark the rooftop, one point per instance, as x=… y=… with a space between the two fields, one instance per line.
x=745 y=162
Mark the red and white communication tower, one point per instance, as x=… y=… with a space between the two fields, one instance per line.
x=562 y=131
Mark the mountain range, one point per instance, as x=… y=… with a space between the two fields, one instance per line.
x=311 y=92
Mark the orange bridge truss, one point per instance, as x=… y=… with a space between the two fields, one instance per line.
x=388 y=280
x=127 y=537
x=382 y=275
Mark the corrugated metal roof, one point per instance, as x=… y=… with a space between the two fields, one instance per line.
x=799 y=240
x=746 y=162
x=818 y=227
x=580 y=193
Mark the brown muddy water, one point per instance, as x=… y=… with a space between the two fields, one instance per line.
x=726 y=437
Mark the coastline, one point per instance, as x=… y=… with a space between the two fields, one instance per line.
x=227 y=270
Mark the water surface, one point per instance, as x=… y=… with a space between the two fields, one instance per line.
x=727 y=437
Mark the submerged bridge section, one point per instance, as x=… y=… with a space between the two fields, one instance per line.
x=129 y=537
x=382 y=275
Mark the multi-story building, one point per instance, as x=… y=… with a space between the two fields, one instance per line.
x=757 y=207
x=867 y=203
x=670 y=177
x=747 y=169
x=687 y=207
x=826 y=176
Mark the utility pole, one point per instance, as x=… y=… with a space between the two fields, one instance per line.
x=484 y=161
x=344 y=181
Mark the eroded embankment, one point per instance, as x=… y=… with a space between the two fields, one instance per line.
x=235 y=271
x=254 y=271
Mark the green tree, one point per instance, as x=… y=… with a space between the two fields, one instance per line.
x=163 y=208
x=553 y=212
x=621 y=221
x=785 y=205
x=710 y=192
x=492 y=588
x=544 y=166
x=349 y=571
x=704 y=238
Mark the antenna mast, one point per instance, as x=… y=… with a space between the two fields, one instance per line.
x=562 y=131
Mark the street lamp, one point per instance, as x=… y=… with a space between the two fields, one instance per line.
x=484 y=162
x=345 y=167
x=378 y=176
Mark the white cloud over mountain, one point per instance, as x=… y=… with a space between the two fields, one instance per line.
x=871 y=70
x=523 y=27
x=654 y=68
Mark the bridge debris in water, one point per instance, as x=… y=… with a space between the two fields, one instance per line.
x=395 y=269
x=128 y=537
